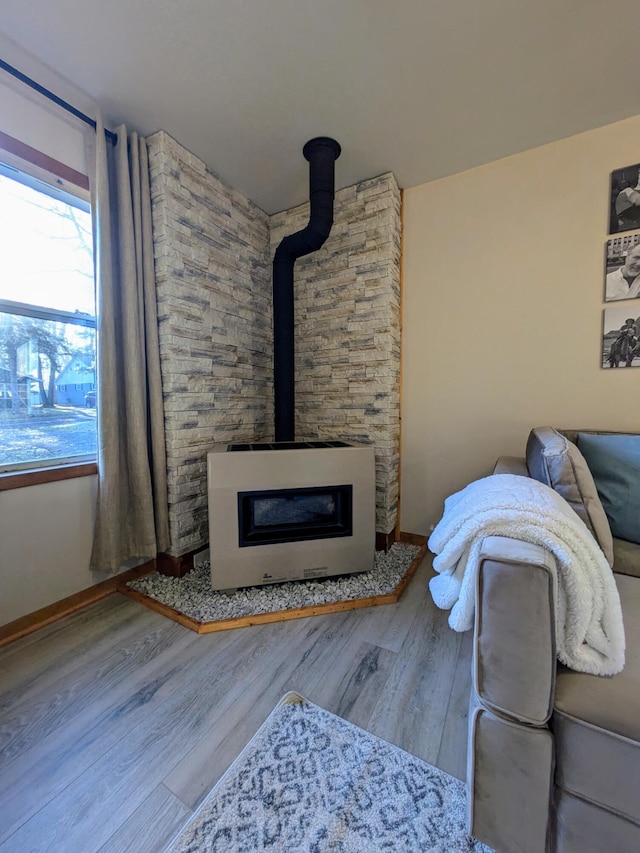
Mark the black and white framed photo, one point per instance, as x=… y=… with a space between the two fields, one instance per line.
x=624 y=210
x=621 y=337
x=622 y=271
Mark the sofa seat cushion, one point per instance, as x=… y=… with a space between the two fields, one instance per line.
x=583 y=827
x=626 y=557
x=596 y=722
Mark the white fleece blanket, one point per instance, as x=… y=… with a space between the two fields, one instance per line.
x=589 y=628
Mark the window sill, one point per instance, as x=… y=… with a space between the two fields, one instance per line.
x=38 y=476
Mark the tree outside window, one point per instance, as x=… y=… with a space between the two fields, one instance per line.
x=47 y=325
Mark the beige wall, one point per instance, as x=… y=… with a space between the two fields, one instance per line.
x=46 y=534
x=503 y=299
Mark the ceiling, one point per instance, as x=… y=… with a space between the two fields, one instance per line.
x=423 y=88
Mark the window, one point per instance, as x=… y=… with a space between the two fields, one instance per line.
x=47 y=323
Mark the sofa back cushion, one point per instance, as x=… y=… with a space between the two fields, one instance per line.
x=555 y=461
x=614 y=461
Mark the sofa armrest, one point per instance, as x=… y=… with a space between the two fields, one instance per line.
x=514 y=655
x=511 y=465
x=509 y=782
x=511 y=750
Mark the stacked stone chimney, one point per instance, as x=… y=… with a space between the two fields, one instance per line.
x=213 y=251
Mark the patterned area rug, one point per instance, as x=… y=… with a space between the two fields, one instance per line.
x=310 y=781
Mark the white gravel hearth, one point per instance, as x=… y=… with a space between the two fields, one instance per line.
x=192 y=595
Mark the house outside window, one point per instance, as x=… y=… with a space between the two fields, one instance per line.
x=47 y=323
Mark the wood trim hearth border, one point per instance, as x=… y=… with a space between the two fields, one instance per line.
x=279 y=615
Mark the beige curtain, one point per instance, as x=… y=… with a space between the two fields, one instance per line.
x=132 y=516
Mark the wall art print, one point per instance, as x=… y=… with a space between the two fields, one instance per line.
x=624 y=203
x=621 y=337
x=622 y=270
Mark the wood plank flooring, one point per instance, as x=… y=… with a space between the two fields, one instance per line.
x=116 y=722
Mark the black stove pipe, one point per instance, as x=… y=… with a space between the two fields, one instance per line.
x=321 y=153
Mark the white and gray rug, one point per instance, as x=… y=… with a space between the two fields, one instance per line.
x=312 y=782
x=193 y=596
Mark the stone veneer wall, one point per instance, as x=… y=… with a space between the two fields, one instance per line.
x=213 y=278
x=348 y=329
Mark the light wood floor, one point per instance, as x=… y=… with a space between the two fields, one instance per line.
x=116 y=722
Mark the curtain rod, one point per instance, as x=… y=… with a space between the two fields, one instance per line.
x=112 y=137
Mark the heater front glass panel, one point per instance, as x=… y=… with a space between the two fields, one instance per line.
x=294 y=515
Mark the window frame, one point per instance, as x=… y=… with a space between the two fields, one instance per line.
x=42 y=169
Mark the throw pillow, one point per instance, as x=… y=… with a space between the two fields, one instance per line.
x=554 y=460
x=614 y=461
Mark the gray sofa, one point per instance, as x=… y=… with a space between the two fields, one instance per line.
x=553 y=755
